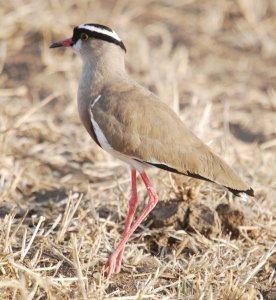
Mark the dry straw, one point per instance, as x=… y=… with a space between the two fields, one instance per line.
x=63 y=201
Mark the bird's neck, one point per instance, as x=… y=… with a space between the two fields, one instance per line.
x=97 y=72
x=101 y=68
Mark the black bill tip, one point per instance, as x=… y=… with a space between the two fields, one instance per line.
x=56 y=45
x=65 y=43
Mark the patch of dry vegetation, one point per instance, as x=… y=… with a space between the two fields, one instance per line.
x=63 y=201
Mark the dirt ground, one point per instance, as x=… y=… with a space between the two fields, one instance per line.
x=63 y=201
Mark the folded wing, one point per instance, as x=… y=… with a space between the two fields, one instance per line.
x=142 y=127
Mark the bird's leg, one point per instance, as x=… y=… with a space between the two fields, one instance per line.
x=112 y=261
x=131 y=212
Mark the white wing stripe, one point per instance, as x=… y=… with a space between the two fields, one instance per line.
x=96 y=100
x=100 y=136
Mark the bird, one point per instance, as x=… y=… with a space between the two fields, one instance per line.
x=131 y=123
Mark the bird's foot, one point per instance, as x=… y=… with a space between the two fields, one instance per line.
x=113 y=264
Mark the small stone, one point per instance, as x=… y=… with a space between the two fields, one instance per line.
x=170 y=213
x=231 y=219
x=203 y=219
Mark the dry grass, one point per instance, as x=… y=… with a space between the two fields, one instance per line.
x=63 y=201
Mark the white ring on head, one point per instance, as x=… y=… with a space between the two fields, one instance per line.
x=92 y=28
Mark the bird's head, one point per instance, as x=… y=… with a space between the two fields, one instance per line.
x=91 y=39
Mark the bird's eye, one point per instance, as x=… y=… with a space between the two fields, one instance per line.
x=84 y=36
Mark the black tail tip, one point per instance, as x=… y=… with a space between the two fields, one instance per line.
x=249 y=192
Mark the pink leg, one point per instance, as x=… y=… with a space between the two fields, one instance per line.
x=112 y=261
x=131 y=212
